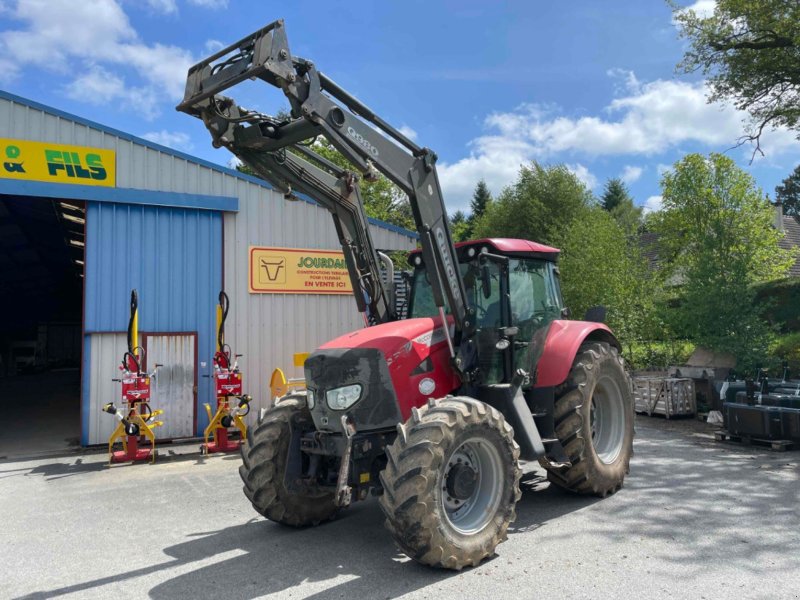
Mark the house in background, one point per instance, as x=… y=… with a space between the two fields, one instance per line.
x=788 y=224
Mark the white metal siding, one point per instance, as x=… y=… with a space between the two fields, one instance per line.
x=173 y=386
x=106 y=351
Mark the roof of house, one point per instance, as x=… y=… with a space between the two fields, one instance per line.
x=791 y=239
x=648 y=242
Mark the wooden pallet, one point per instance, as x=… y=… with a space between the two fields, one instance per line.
x=776 y=445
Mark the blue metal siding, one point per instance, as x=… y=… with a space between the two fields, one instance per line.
x=173 y=257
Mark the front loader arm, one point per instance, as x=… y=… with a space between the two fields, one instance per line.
x=320 y=107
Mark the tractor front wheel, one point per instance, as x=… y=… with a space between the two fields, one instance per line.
x=451 y=483
x=594 y=422
x=265 y=460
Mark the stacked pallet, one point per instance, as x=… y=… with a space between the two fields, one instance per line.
x=668 y=396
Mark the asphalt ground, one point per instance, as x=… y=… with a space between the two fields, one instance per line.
x=696 y=519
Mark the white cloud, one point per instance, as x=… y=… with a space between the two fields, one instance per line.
x=70 y=37
x=167 y=7
x=653 y=204
x=702 y=8
x=662 y=168
x=408 y=132
x=584 y=175
x=213 y=46
x=99 y=86
x=645 y=119
x=631 y=173
x=214 y=4
x=172 y=139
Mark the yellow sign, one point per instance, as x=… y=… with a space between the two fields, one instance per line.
x=298 y=271
x=54 y=163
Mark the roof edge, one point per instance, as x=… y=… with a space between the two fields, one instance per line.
x=56 y=112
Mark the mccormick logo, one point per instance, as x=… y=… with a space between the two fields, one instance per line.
x=72 y=164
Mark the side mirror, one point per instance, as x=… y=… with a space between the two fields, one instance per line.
x=596 y=314
x=566 y=313
x=486 y=281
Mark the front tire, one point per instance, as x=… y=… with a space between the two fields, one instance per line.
x=265 y=457
x=594 y=423
x=451 y=483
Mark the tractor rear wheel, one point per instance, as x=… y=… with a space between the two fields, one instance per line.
x=594 y=422
x=265 y=459
x=451 y=483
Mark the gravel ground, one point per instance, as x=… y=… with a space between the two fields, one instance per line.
x=696 y=519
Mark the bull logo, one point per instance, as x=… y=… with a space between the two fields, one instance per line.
x=273 y=268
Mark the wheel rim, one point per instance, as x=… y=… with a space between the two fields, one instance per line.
x=472 y=486
x=607 y=420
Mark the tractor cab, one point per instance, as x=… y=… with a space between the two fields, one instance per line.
x=514 y=294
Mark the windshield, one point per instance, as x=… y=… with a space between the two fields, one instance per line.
x=534 y=303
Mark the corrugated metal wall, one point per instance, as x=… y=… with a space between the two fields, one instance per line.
x=102 y=353
x=173 y=258
x=268 y=329
x=173 y=386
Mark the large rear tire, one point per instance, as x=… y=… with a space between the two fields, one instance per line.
x=594 y=422
x=451 y=483
x=265 y=457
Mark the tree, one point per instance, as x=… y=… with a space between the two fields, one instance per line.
x=614 y=194
x=617 y=201
x=749 y=49
x=788 y=192
x=480 y=200
x=716 y=240
x=459 y=226
x=601 y=266
x=539 y=205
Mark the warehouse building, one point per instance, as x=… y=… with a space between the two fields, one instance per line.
x=88 y=213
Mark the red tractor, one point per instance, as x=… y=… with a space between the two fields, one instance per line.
x=433 y=412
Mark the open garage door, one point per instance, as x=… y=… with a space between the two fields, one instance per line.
x=41 y=310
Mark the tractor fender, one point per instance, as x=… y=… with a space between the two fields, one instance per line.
x=562 y=343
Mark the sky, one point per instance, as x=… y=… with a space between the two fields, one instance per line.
x=488 y=86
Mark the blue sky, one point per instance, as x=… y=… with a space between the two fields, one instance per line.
x=487 y=85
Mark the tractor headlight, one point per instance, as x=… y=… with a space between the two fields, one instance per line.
x=344 y=397
x=310 y=401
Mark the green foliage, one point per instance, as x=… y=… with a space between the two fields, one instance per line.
x=716 y=241
x=616 y=199
x=600 y=265
x=539 y=206
x=787 y=347
x=749 y=50
x=780 y=302
x=459 y=226
x=788 y=192
x=480 y=199
x=659 y=355
x=614 y=194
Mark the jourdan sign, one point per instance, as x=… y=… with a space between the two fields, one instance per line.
x=298 y=271
x=56 y=163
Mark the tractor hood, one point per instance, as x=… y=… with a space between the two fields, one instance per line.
x=398 y=365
